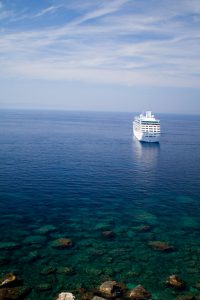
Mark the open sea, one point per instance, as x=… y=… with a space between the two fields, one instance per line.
x=82 y=176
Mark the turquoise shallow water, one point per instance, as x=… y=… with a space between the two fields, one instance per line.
x=74 y=175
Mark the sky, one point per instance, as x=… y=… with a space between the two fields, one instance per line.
x=108 y=55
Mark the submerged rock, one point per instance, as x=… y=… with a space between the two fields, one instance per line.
x=48 y=270
x=43 y=287
x=133 y=273
x=35 y=239
x=108 y=234
x=33 y=256
x=14 y=293
x=84 y=294
x=161 y=246
x=189 y=222
x=65 y=296
x=8 y=280
x=142 y=228
x=197 y=286
x=62 y=243
x=193 y=270
x=146 y=217
x=93 y=271
x=175 y=282
x=110 y=289
x=8 y=245
x=45 y=229
x=96 y=252
x=98 y=298
x=139 y=293
x=66 y=270
x=186 y=297
x=102 y=226
x=108 y=260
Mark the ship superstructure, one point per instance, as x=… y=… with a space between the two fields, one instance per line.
x=146 y=128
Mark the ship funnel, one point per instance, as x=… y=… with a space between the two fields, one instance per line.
x=148 y=114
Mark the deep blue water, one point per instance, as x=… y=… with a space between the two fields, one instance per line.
x=84 y=173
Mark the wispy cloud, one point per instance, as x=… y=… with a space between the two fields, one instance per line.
x=47 y=10
x=119 y=41
x=108 y=8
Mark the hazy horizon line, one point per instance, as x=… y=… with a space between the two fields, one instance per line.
x=93 y=111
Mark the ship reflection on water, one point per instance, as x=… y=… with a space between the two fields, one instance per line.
x=146 y=154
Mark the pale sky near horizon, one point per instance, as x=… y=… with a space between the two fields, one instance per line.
x=110 y=55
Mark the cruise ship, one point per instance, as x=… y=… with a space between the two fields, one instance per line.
x=146 y=128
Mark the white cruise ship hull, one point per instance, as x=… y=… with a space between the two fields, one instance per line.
x=144 y=137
